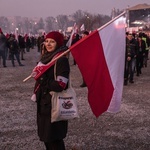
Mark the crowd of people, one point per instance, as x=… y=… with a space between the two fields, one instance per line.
x=13 y=47
x=50 y=45
x=137 y=51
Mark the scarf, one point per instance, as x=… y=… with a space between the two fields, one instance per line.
x=47 y=57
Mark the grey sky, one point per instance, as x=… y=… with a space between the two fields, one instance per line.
x=45 y=8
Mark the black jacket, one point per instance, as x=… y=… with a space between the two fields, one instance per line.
x=48 y=131
x=13 y=45
x=133 y=47
x=141 y=48
x=3 y=42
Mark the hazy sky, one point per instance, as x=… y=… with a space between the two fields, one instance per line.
x=45 y=8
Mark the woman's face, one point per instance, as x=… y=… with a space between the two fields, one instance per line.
x=50 y=44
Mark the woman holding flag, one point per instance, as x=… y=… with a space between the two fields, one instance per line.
x=52 y=134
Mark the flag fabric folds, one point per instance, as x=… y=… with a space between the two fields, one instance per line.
x=100 y=58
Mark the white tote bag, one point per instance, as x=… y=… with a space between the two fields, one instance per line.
x=64 y=104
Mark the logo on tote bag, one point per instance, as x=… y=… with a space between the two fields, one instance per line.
x=67 y=105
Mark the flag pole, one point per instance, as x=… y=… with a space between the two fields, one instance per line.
x=27 y=78
x=53 y=60
x=105 y=25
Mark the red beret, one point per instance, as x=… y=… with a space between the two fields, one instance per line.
x=58 y=37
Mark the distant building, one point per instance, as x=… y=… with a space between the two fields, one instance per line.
x=139 y=17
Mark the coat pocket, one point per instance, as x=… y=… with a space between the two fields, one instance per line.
x=45 y=105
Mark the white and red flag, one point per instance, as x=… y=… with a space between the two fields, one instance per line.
x=82 y=28
x=74 y=31
x=16 y=34
x=100 y=58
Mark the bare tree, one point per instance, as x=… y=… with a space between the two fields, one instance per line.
x=78 y=16
x=50 y=22
x=40 y=24
x=26 y=25
x=62 y=21
x=5 y=24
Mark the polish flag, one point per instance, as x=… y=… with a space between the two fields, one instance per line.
x=82 y=28
x=100 y=58
x=74 y=31
x=16 y=34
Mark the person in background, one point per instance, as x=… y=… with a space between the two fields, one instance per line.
x=14 y=50
x=127 y=59
x=130 y=56
x=3 y=47
x=27 y=43
x=140 y=55
x=7 y=49
x=40 y=41
x=32 y=42
x=75 y=39
x=21 y=46
x=146 y=39
x=132 y=62
x=84 y=34
x=52 y=134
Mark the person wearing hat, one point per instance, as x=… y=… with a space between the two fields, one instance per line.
x=52 y=134
x=3 y=47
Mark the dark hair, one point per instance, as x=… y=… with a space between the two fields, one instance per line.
x=127 y=33
x=86 y=32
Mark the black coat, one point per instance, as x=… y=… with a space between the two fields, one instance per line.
x=13 y=45
x=142 y=48
x=3 y=42
x=21 y=42
x=48 y=131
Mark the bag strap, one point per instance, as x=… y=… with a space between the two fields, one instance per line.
x=69 y=80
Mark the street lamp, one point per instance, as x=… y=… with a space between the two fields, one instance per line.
x=87 y=22
x=12 y=26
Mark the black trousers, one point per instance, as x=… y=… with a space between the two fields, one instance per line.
x=16 y=54
x=55 y=145
x=2 y=53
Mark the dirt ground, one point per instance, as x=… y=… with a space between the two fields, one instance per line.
x=127 y=130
